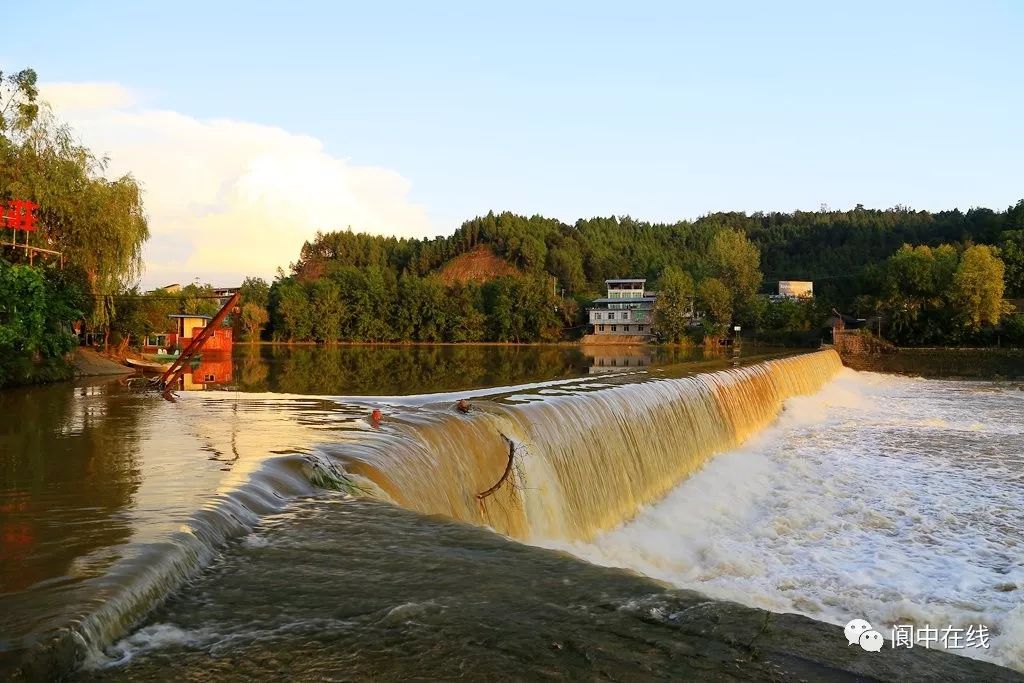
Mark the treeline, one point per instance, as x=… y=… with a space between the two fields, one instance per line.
x=837 y=249
x=372 y=304
x=831 y=248
x=944 y=295
x=98 y=224
x=580 y=257
x=355 y=287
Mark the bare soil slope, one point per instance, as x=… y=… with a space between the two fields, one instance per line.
x=479 y=265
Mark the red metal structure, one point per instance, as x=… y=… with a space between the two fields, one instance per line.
x=168 y=379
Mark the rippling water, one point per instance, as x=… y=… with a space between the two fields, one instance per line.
x=888 y=498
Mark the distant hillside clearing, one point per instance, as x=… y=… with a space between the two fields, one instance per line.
x=479 y=265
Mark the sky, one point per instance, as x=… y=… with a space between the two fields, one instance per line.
x=252 y=125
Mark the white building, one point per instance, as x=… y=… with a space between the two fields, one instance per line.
x=796 y=289
x=626 y=309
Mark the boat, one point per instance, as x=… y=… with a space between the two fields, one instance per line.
x=147 y=365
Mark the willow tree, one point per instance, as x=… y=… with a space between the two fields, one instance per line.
x=98 y=224
x=18 y=93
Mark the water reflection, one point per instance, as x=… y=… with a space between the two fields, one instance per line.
x=617 y=358
x=215 y=370
x=70 y=468
x=397 y=370
x=109 y=497
x=402 y=370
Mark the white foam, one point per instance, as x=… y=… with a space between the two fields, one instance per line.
x=152 y=637
x=254 y=540
x=890 y=499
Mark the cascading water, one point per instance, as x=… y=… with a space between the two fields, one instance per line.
x=585 y=462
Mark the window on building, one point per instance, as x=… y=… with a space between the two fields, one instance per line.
x=625 y=316
x=625 y=328
x=602 y=328
x=641 y=328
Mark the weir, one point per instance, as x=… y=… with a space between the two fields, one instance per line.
x=584 y=462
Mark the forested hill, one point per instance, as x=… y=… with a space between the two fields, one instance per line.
x=829 y=247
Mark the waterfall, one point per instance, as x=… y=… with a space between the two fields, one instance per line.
x=584 y=462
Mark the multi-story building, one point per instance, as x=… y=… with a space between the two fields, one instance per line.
x=795 y=289
x=626 y=310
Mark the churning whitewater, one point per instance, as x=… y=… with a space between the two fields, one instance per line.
x=887 y=498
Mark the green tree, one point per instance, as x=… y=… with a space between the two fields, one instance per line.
x=978 y=287
x=326 y=310
x=566 y=264
x=715 y=300
x=291 y=311
x=1011 y=250
x=18 y=93
x=674 y=306
x=36 y=307
x=98 y=224
x=255 y=290
x=736 y=262
x=198 y=299
x=253 y=319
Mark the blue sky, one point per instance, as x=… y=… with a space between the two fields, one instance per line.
x=657 y=110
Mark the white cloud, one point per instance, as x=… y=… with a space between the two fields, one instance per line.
x=229 y=198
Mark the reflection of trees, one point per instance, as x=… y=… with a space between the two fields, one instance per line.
x=68 y=466
x=252 y=371
x=397 y=369
x=403 y=369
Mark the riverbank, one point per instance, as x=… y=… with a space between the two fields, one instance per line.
x=80 y=362
x=89 y=363
x=948 y=363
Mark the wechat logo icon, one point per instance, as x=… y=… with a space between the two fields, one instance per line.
x=859 y=632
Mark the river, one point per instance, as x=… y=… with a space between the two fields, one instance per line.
x=266 y=525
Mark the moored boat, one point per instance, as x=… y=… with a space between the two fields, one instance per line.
x=147 y=365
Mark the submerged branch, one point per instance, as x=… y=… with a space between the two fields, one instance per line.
x=504 y=475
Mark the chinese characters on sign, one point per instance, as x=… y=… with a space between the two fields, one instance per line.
x=18 y=214
x=950 y=638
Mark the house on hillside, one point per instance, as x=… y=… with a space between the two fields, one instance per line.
x=625 y=311
x=794 y=289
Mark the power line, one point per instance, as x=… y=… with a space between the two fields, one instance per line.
x=149 y=297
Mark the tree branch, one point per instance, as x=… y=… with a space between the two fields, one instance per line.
x=504 y=475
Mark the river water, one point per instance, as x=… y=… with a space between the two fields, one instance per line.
x=259 y=507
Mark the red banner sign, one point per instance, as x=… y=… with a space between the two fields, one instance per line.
x=18 y=215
